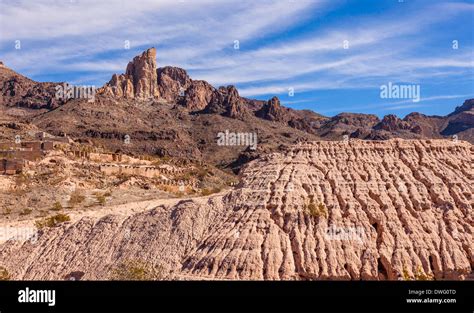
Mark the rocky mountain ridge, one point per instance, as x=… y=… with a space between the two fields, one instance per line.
x=146 y=95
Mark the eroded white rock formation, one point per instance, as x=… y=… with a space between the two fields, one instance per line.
x=410 y=203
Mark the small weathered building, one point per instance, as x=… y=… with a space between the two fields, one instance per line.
x=47 y=145
x=11 y=166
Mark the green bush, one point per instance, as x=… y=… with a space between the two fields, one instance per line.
x=57 y=206
x=26 y=211
x=419 y=274
x=316 y=210
x=405 y=274
x=4 y=275
x=76 y=197
x=136 y=270
x=52 y=221
x=100 y=199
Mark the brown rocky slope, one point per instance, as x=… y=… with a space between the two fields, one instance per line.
x=166 y=113
x=398 y=209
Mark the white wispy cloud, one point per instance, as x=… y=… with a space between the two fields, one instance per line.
x=87 y=37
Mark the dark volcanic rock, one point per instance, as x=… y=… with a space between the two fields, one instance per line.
x=393 y=123
x=172 y=83
x=19 y=91
x=468 y=105
x=227 y=102
x=198 y=95
x=273 y=111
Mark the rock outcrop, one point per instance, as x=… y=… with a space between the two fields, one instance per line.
x=19 y=91
x=198 y=95
x=142 y=71
x=172 y=83
x=467 y=106
x=368 y=210
x=392 y=123
x=227 y=102
x=273 y=111
x=139 y=80
x=461 y=120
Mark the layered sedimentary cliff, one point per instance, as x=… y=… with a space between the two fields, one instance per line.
x=326 y=210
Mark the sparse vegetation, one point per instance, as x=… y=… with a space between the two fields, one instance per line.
x=121 y=178
x=52 y=221
x=4 y=275
x=26 y=211
x=316 y=210
x=57 y=206
x=22 y=179
x=405 y=274
x=101 y=199
x=210 y=191
x=137 y=270
x=419 y=274
x=76 y=197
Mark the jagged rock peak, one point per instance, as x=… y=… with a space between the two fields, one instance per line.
x=172 y=83
x=174 y=73
x=142 y=70
x=274 y=102
x=273 y=111
x=139 y=80
x=227 y=102
x=466 y=106
x=393 y=123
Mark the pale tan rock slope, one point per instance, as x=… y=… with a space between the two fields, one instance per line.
x=409 y=205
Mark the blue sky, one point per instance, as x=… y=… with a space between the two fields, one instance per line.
x=335 y=55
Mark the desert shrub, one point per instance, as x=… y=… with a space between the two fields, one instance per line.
x=160 y=160
x=420 y=275
x=76 y=197
x=316 y=210
x=137 y=270
x=405 y=274
x=52 y=221
x=210 y=191
x=26 y=211
x=22 y=179
x=201 y=173
x=56 y=206
x=4 y=275
x=121 y=178
x=100 y=199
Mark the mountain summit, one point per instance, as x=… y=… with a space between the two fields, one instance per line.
x=139 y=80
x=167 y=113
